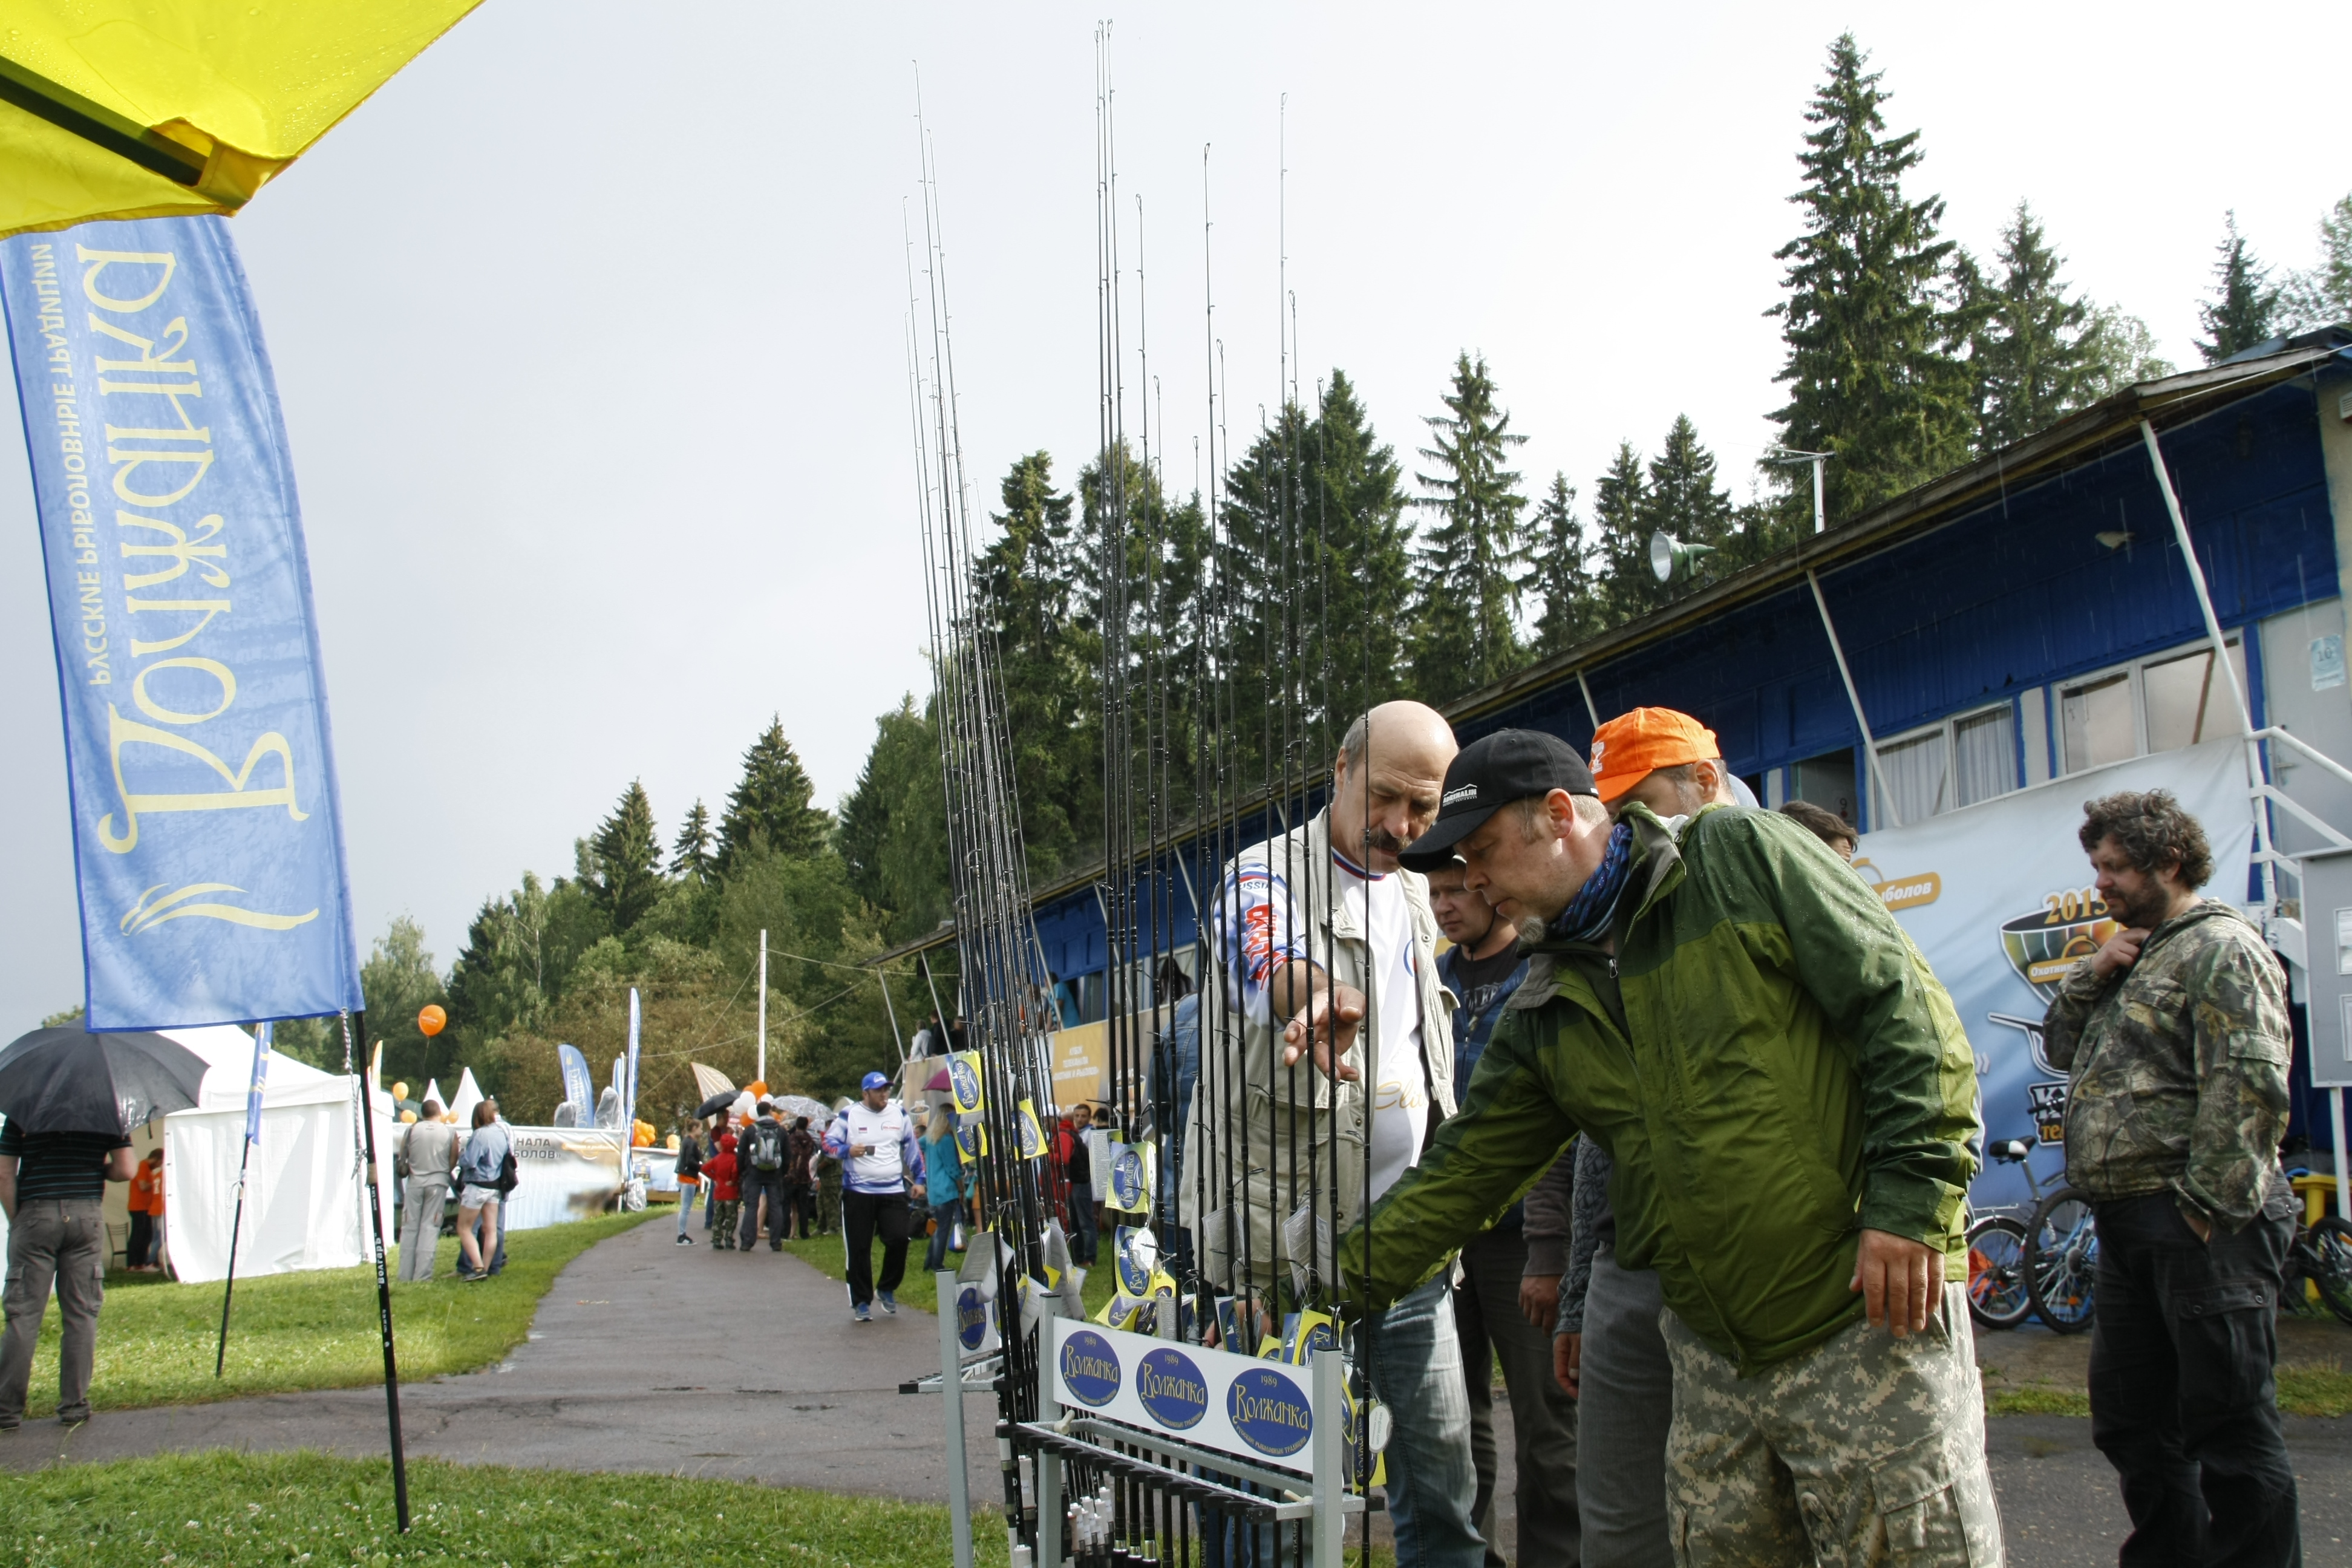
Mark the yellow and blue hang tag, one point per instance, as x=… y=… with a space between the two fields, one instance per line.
x=965 y=1083
x=1129 y=1187
x=1033 y=1137
x=1136 y=1252
x=1304 y=1333
x=971 y=1138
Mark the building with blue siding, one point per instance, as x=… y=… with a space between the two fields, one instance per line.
x=2024 y=618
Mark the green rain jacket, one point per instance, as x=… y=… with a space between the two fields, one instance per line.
x=1768 y=1060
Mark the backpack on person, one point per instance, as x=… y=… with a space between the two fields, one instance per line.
x=509 y=1174
x=767 y=1147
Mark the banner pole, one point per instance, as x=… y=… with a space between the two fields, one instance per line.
x=383 y=1282
x=254 y=1086
x=228 y=1288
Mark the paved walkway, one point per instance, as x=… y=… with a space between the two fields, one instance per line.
x=644 y=1356
x=649 y=1356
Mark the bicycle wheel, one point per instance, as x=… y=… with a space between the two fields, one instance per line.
x=2329 y=1246
x=1997 y=1293
x=2062 y=1261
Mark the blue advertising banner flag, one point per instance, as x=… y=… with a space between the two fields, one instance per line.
x=207 y=843
x=260 y=1083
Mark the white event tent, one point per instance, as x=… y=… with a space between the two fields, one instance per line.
x=302 y=1208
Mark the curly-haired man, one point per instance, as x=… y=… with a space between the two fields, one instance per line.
x=2174 y=1036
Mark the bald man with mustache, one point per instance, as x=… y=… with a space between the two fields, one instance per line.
x=1319 y=932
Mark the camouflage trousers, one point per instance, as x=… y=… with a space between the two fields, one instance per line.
x=1866 y=1450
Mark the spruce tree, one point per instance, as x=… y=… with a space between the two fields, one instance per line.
x=771 y=803
x=2322 y=297
x=1684 y=501
x=1036 y=600
x=1871 y=370
x=1620 y=510
x=2243 y=305
x=1313 y=517
x=892 y=836
x=693 y=855
x=1353 y=506
x=1467 y=571
x=1560 y=572
x=2036 y=351
x=624 y=860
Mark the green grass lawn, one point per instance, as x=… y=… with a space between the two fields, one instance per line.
x=316 y=1329
x=222 y=1507
x=825 y=1254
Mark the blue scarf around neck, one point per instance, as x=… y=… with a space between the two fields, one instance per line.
x=1589 y=914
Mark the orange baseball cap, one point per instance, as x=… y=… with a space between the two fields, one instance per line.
x=1632 y=746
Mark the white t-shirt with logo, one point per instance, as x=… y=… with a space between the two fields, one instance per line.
x=1261 y=927
x=1401 y=1093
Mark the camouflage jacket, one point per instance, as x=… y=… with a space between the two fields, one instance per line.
x=2177 y=1068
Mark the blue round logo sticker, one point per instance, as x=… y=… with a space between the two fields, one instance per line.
x=965 y=1083
x=1171 y=1388
x=1269 y=1412
x=971 y=1318
x=1127 y=1179
x=1089 y=1368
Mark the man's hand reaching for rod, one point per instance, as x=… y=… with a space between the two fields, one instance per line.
x=1338 y=1010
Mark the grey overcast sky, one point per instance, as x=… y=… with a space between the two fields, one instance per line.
x=588 y=327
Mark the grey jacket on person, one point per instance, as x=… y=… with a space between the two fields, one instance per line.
x=1547 y=1210
x=1592 y=1223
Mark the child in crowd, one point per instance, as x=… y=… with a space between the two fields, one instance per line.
x=726 y=1193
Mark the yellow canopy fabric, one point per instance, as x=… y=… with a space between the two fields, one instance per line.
x=117 y=109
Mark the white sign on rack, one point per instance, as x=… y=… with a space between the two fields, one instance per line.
x=1258 y=1410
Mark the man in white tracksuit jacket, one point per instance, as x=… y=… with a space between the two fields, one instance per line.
x=875 y=1141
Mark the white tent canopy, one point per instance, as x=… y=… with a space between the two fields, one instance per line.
x=469 y=1095
x=302 y=1207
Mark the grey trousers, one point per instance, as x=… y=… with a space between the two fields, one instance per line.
x=61 y=1242
x=1488 y=1320
x=1625 y=1406
x=420 y=1225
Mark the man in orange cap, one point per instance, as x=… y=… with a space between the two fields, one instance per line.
x=1607 y=1348
x=1668 y=761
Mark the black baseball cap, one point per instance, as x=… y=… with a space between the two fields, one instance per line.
x=1487 y=775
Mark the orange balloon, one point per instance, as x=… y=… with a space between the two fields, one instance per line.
x=432 y=1019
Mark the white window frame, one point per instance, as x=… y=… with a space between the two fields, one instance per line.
x=2053 y=704
x=1949 y=727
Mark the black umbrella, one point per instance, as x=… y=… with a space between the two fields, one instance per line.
x=69 y=1080
x=718 y=1103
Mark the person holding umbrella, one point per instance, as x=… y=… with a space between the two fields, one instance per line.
x=70 y=1098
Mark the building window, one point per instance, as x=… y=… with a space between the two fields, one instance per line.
x=2157 y=704
x=1965 y=759
x=1826 y=781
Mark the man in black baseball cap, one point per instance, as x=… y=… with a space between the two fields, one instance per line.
x=1487 y=775
x=1788 y=1097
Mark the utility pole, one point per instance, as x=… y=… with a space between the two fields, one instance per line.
x=763 y=1073
x=1787 y=455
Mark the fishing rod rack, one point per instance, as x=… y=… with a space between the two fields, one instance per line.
x=1145 y=1433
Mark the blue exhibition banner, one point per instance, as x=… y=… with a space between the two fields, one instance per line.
x=207 y=844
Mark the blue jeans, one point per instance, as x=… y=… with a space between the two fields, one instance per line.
x=945 y=1214
x=685 y=1205
x=1416 y=1367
